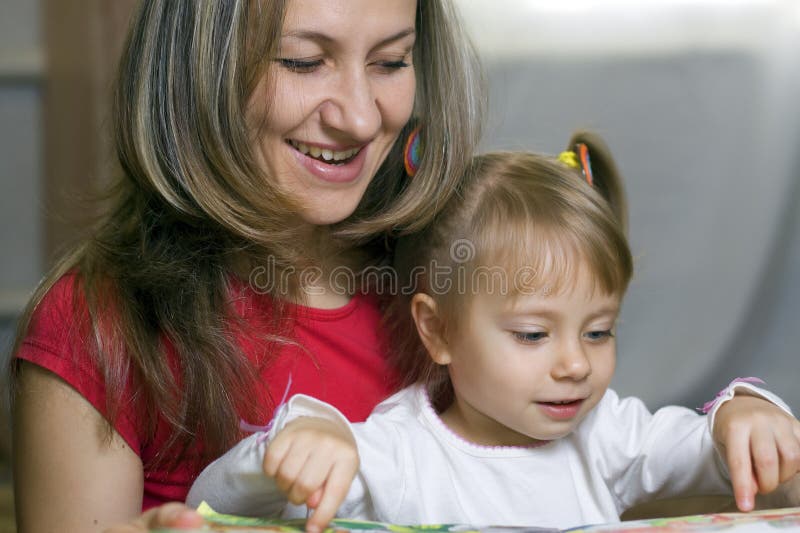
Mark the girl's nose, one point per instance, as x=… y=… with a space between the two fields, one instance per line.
x=572 y=362
x=352 y=107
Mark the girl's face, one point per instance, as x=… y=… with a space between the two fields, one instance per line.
x=340 y=89
x=530 y=369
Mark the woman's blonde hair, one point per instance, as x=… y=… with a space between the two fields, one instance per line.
x=521 y=224
x=191 y=206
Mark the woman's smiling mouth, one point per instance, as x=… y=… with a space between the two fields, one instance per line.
x=325 y=155
x=332 y=166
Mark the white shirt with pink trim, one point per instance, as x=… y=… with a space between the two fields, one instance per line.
x=414 y=470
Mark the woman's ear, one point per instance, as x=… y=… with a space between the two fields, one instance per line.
x=430 y=327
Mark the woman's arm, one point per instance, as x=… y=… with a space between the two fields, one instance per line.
x=170 y=515
x=67 y=476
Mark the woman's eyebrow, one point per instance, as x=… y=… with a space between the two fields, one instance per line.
x=317 y=36
x=396 y=37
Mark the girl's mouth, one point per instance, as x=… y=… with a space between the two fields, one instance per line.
x=562 y=410
x=325 y=155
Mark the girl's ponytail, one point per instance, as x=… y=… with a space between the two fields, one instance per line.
x=605 y=176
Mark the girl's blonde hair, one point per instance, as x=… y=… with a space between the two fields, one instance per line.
x=521 y=224
x=191 y=206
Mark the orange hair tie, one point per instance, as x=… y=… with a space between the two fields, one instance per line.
x=586 y=162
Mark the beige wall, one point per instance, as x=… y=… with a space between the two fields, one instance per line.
x=82 y=43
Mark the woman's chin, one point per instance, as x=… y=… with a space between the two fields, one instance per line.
x=326 y=215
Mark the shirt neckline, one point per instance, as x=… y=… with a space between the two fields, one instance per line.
x=442 y=431
x=317 y=313
x=244 y=293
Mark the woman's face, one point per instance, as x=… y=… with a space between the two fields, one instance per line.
x=334 y=100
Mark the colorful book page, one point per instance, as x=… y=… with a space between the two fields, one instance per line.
x=769 y=521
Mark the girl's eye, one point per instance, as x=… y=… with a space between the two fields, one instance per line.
x=530 y=337
x=599 y=335
x=300 y=65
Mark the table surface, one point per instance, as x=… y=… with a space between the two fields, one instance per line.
x=774 y=521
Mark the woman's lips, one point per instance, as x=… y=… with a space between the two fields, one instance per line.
x=333 y=171
x=561 y=411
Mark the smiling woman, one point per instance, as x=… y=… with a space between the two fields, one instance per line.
x=354 y=68
x=248 y=133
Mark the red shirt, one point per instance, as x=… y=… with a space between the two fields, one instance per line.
x=343 y=363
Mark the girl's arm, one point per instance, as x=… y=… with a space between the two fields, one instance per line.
x=314 y=461
x=309 y=456
x=67 y=478
x=643 y=456
x=761 y=446
x=672 y=453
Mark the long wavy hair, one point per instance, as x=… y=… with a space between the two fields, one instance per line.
x=521 y=222
x=191 y=210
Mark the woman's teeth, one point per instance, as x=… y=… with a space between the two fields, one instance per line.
x=323 y=154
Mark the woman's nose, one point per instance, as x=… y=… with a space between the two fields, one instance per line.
x=352 y=107
x=572 y=362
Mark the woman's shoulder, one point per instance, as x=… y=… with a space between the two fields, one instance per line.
x=59 y=339
x=60 y=310
x=60 y=317
x=65 y=288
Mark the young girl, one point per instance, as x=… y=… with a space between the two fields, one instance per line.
x=514 y=292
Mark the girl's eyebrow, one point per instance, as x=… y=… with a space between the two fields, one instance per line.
x=316 y=36
x=536 y=311
x=553 y=314
x=612 y=311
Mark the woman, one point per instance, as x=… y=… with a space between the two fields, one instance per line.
x=261 y=146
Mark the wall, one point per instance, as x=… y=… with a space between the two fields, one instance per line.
x=698 y=102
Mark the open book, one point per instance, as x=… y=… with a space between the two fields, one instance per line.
x=774 y=521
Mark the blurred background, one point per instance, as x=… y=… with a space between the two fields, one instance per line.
x=56 y=63
x=697 y=99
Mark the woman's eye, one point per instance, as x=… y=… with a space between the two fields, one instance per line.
x=392 y=66
x=300 y=65
x=599 y=335
x=530 y=337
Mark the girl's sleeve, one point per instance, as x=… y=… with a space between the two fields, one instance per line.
x=378 y=492
x=643 y=456
x=236 y=484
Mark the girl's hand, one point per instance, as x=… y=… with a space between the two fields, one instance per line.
x=167 y=516
x=314 y=461
x=761 y=444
